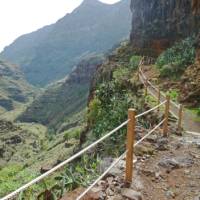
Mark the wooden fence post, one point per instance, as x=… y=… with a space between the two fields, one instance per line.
x=158 y=99
x=167 y=107
x=180 y=117
x=129 y=145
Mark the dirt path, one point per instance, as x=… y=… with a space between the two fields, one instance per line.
x=166 y=168
x=189 y=122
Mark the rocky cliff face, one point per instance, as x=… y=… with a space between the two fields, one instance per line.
x=196 y=12
x=198 y=50
x=157 y=24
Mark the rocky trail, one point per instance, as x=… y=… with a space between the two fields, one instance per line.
x=189 y=122
x=166 y=168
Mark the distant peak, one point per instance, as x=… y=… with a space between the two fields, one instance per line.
x=92 y=2
x=98 y=2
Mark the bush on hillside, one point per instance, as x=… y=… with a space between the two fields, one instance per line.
x=174 y=60
x=198 y=112
x=72 y=134
x=111 y=102
x=134 y=62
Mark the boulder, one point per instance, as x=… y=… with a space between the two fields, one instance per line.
x=176 y=163
x=131 y=194
x=162 y=144
x=143 y=149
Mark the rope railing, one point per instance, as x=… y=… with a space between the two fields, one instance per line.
x=21 y=189
x=173 y=114
x=122 y=156
x=117 y=160
x=155 y=88
x=176 y=105
x=193 y=133
x=149 y=133
x=131 y=126
x=101 y=177
x=146 y=82
x=152 y=109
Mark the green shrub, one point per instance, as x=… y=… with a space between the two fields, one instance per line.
x=175 y=60
x=75 y=134
x=81 y=173
x=166 y=70
x=134 y=62
x=13 y=176
x=121 y=75
x=110 y=105
x=94 y=111
x=72 y=134
x=173 y=95
x=198 y=112
x=66 y=136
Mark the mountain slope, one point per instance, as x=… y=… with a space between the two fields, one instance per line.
x=13 y=87
x=63 y=98
x=49 y=53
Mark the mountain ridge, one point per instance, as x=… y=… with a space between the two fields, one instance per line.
x=49 y=53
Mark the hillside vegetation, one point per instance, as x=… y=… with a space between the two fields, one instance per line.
x=14 y=90
x=40 y=130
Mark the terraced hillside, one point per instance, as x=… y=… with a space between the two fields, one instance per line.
x=14 y=90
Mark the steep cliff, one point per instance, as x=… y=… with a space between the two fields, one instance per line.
x=196 y=12
x=157 y=24
x=191 y=80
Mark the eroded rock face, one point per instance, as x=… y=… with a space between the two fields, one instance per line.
x=196 y=7
x=196 y=12
x=157 y=24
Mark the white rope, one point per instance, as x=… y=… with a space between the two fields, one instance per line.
x=152 y=94
x=11 y=195
x=147 y=135
x=152 y=109
x=163 y=94
x=172 y=102
x=93 y=184
x=153 y=86
x=193 y=133
x=173 y=114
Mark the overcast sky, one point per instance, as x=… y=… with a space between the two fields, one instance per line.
x=18 y=17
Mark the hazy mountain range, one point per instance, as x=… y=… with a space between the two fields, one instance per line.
x=49 y=53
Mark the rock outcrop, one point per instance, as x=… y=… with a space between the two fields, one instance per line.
x=196 y=12
x=157 y=24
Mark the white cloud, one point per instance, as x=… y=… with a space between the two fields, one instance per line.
x=18 y=17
